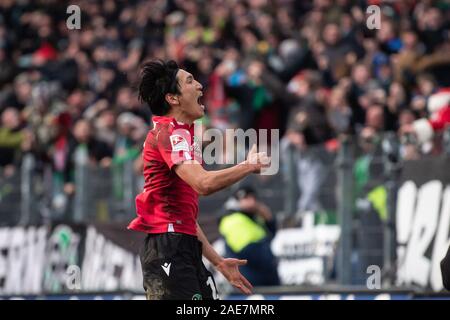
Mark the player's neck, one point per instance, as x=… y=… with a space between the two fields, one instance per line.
x=181 y=118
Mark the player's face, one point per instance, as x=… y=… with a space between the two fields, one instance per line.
x=190 y=98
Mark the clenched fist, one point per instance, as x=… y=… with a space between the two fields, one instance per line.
x=257 y=160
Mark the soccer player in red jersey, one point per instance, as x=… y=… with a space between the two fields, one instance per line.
x=167 y=208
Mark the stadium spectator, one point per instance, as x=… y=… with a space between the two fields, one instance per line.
x=13 y=140
x=132 y=132
x=83 y=138
x=425 y=130
x=308 y=130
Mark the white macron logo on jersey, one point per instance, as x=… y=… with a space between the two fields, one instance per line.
x=166 y=268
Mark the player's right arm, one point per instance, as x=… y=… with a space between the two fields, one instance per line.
x=207 y=182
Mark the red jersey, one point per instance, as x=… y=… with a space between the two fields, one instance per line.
x=167 y=203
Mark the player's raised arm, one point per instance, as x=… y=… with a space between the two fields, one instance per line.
x=206 y=182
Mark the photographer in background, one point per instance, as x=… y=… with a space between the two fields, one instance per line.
x=248 y=228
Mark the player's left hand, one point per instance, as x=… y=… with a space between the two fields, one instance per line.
x=230 y=269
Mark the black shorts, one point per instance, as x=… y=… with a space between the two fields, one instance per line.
x=173 y=269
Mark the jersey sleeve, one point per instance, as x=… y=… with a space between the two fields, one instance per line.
x=174 y=146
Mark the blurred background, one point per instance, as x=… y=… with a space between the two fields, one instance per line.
x=360 y=207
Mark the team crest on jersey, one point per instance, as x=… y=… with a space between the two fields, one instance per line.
x=179 y=143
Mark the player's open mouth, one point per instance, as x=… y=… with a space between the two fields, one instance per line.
x=199 y=101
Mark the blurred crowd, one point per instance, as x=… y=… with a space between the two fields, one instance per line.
x=312 y=69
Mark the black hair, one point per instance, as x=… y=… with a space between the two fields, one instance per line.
x=245 y=191
x=157 y=79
